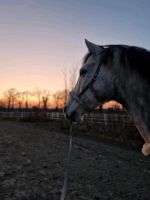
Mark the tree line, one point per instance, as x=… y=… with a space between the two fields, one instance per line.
x=40 y=98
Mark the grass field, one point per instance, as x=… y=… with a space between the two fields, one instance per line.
x=32 y=158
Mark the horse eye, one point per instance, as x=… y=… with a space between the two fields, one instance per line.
x=83 y=72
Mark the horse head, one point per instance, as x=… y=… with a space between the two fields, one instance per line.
x=95 y=84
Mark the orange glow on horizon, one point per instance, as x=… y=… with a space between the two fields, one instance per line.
x=112 y=104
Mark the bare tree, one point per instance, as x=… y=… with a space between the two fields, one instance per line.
x=69 y=80
x=2 y=104
x=38 y=94
x=45 y=97
x=10 y=96
x=64 y=72
x=73 y=76
x=59 y=98
x=26 y=95
x=56 y=99
x=62 y=97
x=20 y=99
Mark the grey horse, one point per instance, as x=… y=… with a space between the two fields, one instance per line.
x=114 y=72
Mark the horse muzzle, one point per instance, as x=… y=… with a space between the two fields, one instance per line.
x=72 y=115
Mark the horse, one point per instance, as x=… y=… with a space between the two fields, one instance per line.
x=114 y=72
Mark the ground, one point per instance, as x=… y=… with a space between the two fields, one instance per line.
x=32 y=159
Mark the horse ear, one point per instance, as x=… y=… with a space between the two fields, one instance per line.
x=93 y=48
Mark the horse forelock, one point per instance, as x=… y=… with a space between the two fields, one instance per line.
x=107 y=54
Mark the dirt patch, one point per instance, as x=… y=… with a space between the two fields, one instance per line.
x=32 y=166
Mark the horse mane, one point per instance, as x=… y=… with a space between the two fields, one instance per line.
x=138 y=58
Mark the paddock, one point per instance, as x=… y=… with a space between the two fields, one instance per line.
x=32 y=157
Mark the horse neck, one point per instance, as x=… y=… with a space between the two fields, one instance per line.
x=131 y=90
x=126 y=88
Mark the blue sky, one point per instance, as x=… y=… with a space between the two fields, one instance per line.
x=39 y=37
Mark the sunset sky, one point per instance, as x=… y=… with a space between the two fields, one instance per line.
x=38 y=38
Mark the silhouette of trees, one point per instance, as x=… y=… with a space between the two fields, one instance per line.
x=73 y=76
x=56 y=99
x=42 y=97
x=10 y=95
x=69 y=79
x=45 y=98
x=2 y=104
x=60 y=98
x=20 y=99
x=27 y=96
x=38 y=94
x=64 y=72
x=12 y=98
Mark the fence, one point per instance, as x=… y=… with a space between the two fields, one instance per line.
x=107 y=119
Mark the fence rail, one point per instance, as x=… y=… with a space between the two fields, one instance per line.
x=98 y=118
